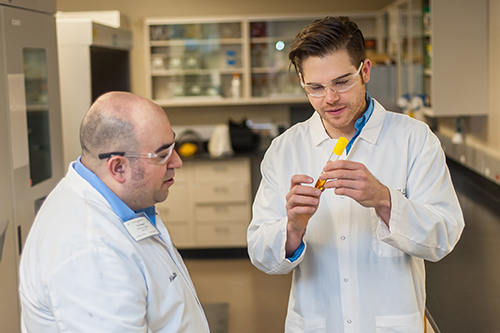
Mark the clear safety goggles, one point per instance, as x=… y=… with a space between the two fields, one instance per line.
x=160 y=157
x=339 y=85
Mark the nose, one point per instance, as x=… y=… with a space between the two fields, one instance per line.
x=174 y=161
x=331 y=95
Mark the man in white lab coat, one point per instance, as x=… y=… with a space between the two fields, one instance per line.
x=357 y=249
x=98 y=257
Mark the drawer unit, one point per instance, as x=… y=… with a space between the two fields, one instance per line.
x=221 y=235
x=209 y=204
x=223 y=191
x=221 y=170
x=180 y=234
x=223 y=212
x=175 y=208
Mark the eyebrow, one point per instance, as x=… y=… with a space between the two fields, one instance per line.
x=165 y=146
x=340 y=77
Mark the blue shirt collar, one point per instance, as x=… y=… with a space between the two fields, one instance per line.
x=361 y=122
x=119 y=207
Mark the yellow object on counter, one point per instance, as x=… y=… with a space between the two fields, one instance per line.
x=188 y=149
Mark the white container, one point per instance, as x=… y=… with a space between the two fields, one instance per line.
x=235 y=86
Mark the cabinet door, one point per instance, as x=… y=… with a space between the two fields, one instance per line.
x=47 y=6
x=459 y=54
x=196 y=61
x=33 y=107
x=9 y=304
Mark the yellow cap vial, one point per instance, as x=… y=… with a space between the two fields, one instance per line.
x=337 y=151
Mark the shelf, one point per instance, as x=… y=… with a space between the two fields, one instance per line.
x=183 y=72
x=182 y=53
x=194 y=42
x=209 y=101
x=270 y=70
x=37 y=107
x=268 y=40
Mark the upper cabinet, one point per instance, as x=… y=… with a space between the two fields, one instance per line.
x=456 y=34
x=436 y=45
x=229 y=61
x=198 y=63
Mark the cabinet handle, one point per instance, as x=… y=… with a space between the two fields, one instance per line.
x=221 y=189
x=221 y=209
x=222 y=229
x=20 y=239
x=220 y=168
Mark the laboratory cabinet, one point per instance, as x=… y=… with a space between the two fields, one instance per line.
x=230 y=61
x=47 y=6
x=436 y=45
x=456 y=45
x=209 y=204
x=30 y=134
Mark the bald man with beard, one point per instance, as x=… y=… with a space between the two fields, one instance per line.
x=98 y=257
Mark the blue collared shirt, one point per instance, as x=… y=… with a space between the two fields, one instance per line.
x=361 y=122
x=119 y=207
x=358 y=125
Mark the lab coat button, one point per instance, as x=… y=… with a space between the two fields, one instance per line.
x=349 y=321
x=342 y=237
x=346 y=279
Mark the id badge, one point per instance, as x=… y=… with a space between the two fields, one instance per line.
x=141 y=227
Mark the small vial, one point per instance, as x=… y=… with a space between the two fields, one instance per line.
x=337 y=151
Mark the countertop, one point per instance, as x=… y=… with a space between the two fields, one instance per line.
x=463 y=289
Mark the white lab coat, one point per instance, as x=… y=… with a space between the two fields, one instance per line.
x=81 y=271
x=356 y=274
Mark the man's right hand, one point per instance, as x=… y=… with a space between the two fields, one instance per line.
x=301 y=204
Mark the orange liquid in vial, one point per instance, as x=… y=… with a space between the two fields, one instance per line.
x=320 y=184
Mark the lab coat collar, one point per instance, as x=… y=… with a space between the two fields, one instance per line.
x=373 y=127
x=369 y=133
x=117 y=204
x=318 y=131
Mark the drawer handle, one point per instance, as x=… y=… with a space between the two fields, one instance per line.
x=221 y=189
x=222 y=229
x=221 y=209
x=220 y=168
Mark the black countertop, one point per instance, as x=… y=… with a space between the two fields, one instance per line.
x=463 y=289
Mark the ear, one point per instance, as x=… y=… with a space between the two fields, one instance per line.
x=365 y=71
x=118 y=167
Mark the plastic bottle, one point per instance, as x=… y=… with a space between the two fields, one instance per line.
x=235 y=86
x=337 y=151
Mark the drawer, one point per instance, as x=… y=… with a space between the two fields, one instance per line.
x=222 y=235
x=181 y=175
x=210 y=192
x=176 y=207
x=222 y=170
x=223 y=212
x=179 y=234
